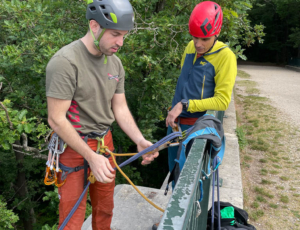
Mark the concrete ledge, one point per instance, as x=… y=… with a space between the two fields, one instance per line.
x=133 y=212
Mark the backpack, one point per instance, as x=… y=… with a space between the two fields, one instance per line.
x=206 y=127
x=239 y=220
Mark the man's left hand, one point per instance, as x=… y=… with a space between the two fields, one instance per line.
x=147 y=158
x=173 y=114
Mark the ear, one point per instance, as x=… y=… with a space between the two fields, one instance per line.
x=94 y=26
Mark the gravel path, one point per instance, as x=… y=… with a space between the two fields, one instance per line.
x=279 y=84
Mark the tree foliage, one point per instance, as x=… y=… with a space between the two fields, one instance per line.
x=7 y=217
x=32 y=31
x=281 y=19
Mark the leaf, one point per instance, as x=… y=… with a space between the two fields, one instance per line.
x=27 y=128
x=20 y=128
x=247 y=4
x=22 y=114
x=234 y=13
x=5 y=145
x=243 y=57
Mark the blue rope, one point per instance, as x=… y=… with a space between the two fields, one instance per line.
x=151 y=148
x=75 y=207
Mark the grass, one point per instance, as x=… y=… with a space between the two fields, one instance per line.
x=263 y=192
x=276 y=166
x=247 y=158
x=274 y=172
x=261 y=199
x=255 y=204
x=263 y=172
x=272 y=205
x=256 y=214
x=284 y=199
x=242 y=74
x=296 y=214
x=267 y=182
x=284 y=178
x=241 y=137
x=268 y=166
x=263 y=160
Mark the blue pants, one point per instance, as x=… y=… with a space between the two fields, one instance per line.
x=172 y=151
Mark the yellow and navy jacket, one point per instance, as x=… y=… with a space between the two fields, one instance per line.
x=207 y=81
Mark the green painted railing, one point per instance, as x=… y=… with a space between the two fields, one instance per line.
x=184 y=211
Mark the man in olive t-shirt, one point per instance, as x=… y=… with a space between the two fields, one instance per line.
x=85 y=93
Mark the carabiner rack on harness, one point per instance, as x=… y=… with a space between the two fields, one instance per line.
x=56 y=147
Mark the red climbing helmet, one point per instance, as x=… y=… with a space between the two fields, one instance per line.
x=206 y=20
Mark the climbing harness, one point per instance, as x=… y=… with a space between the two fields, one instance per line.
x=56 y=147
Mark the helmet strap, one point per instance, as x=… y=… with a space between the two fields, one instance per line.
x=97 y=42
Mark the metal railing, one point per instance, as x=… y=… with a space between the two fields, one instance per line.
x=184 y=211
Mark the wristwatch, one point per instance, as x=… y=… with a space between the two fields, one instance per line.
x=185 y=104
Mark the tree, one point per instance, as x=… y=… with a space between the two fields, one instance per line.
x=281 y=18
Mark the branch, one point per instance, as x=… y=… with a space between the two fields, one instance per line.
x=7 y=117
x=16 y=189
x=179 y=11
x=11 y=90
x=0 y=85
x=48 y=135
x=19 y=203
x=36 y=155
x=25 y=140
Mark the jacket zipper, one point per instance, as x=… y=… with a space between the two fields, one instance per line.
x=203 y=88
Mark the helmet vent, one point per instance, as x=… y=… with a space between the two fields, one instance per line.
x=216 y=7
x=107 y=16
x=93 y=8
x=102 y=7
x=216 y=18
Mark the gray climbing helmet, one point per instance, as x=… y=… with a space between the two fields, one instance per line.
x=111 y=14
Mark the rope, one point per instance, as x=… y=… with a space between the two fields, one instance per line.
x=75 y=207
x=130 y=182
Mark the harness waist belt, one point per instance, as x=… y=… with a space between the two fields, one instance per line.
x=94 y=135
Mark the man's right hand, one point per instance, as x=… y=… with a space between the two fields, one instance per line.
x=101 y=168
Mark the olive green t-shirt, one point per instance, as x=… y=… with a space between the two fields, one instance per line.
x=73 y=73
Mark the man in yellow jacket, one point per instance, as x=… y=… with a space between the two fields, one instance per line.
x=208 y=72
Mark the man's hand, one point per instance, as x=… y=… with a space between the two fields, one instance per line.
x=101 y=168
x=173 y=114
x=147 y=158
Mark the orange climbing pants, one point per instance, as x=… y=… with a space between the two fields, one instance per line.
x=101 y=194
